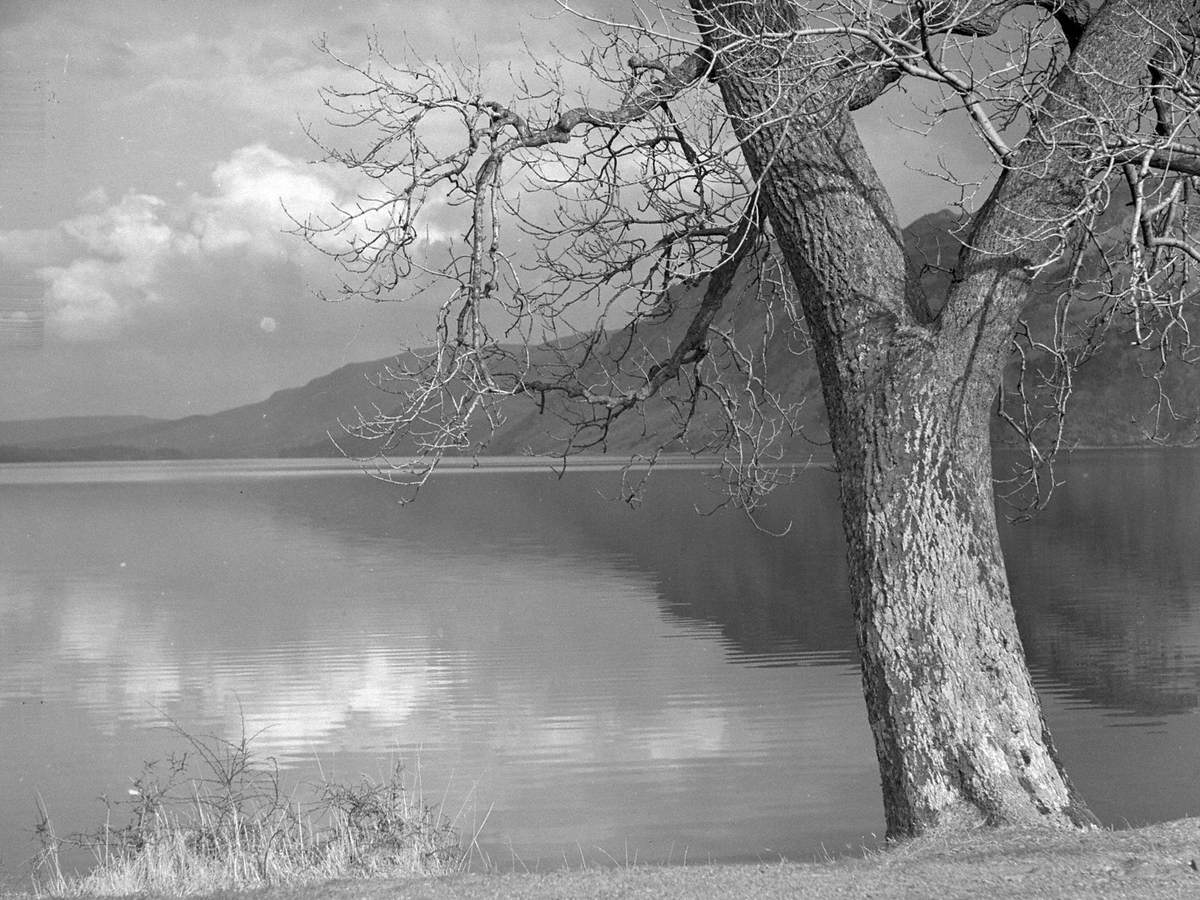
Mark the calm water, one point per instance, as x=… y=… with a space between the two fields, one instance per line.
x=604 y=681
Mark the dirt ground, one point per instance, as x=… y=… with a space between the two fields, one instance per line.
x=1157 y=861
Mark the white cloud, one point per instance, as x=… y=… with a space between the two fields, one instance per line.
x=90 y=299
x=113 y=276
x=129 y=229
x=118 y=260
x=256 y=190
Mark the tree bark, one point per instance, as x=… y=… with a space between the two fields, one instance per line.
x=958 y=727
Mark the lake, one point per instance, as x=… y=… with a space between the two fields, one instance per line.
x=587 y=680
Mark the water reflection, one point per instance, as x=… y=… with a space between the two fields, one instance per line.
x=1108 y=585
x=766 y=596
x=597 y=677
x=495 y=629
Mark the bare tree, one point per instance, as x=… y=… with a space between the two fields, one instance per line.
x=716 y=181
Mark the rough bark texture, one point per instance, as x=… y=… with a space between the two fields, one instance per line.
x=958 y=727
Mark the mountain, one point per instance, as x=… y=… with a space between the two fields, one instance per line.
x=1109 y=404
x=291 y=422
x=35 y=431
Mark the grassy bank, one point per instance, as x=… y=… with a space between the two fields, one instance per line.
x=216 y=820
x=1152 y=862
x=1158 y=861
x=219 y=817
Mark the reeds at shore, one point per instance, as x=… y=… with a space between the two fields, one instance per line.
x=217 y=817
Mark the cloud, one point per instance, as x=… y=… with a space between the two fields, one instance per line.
x=129 y=229
x=155 y=292
x=266 y=66
x=121 y=245
x=158 y=302
x=258 y=194
x=118 y=261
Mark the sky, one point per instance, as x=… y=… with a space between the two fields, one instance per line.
x=149 y=149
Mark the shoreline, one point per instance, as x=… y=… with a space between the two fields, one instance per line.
x=1153 y=861
x=616 y=459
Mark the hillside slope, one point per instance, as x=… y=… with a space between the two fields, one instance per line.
x=35 y=431
x=1108 y=408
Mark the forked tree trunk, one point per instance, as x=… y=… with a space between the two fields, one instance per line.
x=957 y=724
x=958 y=728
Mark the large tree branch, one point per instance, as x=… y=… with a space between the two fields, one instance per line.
x=1166 y=156
x=637 y=106
x=921 y=20
x=740 y=243
x=1044 y=189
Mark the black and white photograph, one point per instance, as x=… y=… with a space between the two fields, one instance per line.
x=599 y=448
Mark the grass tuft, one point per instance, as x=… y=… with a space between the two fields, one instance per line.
x=217 y=818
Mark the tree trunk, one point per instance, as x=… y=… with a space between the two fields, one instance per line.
x=958 y=728
x=957 y=724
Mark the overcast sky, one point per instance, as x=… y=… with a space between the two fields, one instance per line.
x=147 y=146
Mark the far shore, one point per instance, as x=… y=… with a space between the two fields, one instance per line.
x=18 y=457
x=1155 y=861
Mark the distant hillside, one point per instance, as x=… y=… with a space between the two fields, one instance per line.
x=34 y=431
x=1109 y=405
x=291 y=422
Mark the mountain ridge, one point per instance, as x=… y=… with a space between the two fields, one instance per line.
x=1108 y=406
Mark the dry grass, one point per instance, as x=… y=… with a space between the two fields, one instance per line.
x=216 y=818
